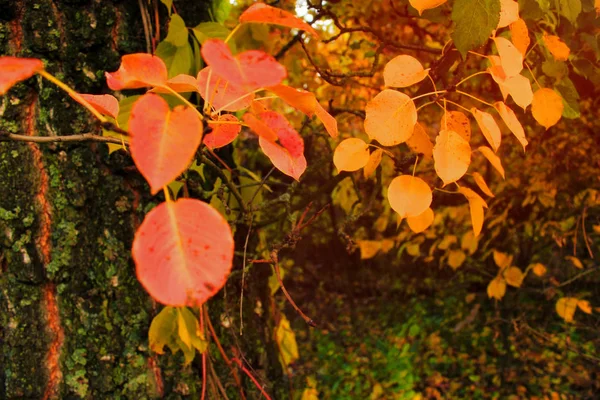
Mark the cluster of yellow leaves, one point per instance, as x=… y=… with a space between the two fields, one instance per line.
x=566 y=307
x=507 y=275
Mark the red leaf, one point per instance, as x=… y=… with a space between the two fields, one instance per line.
x=105 y=103
x=251 y=69
x=181 y=83
x=137 y=71
x=261 y=12
x=282 y=159
x=223 y=134
x=163 y=142
x=300 y=99
x=14 y=69
x=183 y=252
x=260 y=128
x=222 y=95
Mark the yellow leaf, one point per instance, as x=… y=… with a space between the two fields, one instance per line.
x=538 y=269
x=422 y=5
x=451 y=156
x=184 y=335
x=493 y=159
x=458 y=122
x=559 y=49
x=520 y=35
x=456 y=258
x=481 y=184
x=575 y=261
x=351 y=155
x=421 y=222
x=409 y=196
x=584 y=306
x=496 y=288
x=419 y=141
x=373 y=163
x=547 y=107
x=447 y=241
x=387 y=245
x=297 y=98
x=476 y=205
x=488 y=127
x=413 y=249
x=469 y=242
x=310 y=394
x=510 y=119
x=368 y=248
x=509 y=13
x=288 y=348
x=501 y=259
x=514 y=276
x=566 y=307
x=162 y=329
x=403 y=71
x=390 y=117
x=510 y=57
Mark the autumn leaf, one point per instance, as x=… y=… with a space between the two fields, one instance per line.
x=260 y=127
x=576 y=262
x=419 y=141
x=496 y=288
x=458 y=122
x=373 y=163
x=509 y=13
x=409 y=196
x=421 y=222
x=138 y=70
x=181 y=83
x=566 y=307
x=493 y=159
x=368 y=248
x=422 y=5
x=584 y=306
x=221 y=94
x=351 y=155
x=476 y=206
x=390 y=117
x=451 y=156
x=403 y=71
x=511 y=120
x=510 y=57
x=520 y=35
x=481 y=184
x=547 y=107
x=263 y=13
x=162 y=329
x=327 y=119
x=519 y=88
x=286 y=340
x=559 y=49
x=105 y=104
x=223 y=134
x=488 y=127
x=514 y=276
x=456 y=258
x=183 y=252
x=163 y=142
x=299 y=99
x=502 y=260
x=250 y=70
x=538 y=269
x=15 y=69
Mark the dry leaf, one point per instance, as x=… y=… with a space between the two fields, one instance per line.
x=419 y=141
x=509 y=13
x=514 y=276
x=502 y=260
x=458 y=122
x=510 y=57
x=510 y=119
x=373 y=163
x=566 y=307
x=451 y=156
x=584 y=306
x=481 y=184
x=538 y=269
x=496 y=288
x=576 y=262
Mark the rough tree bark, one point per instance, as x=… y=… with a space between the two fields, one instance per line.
x=73 y=318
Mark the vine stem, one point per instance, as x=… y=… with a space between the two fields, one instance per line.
x=45 y=74
x=258 y=386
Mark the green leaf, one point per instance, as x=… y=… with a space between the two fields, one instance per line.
x=179 y=60
x=570 y=97
x=169 y=4
x=555 y=69
x=210 y=30
x=221 y=10
x=570 y=9
x=125 y=106
x=189 y=323
x=474 y=22
x=178 y=33
x=162 y=329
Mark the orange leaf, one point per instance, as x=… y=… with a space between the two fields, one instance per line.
x=509 y=13
x=163 y=142
x=403 y=71
x=520 y=35
x=451 y=156
x=458 y=122
x=481 y=184
x=409 y=196
x=502 y=260
x=559 y=49
x=328 y=121
x=105 y=103
x=566 y=307
x=183 y=252
x=496 y=288
x=260 y=128
x=222 y=134
x=493 y=159
x=547 y=107
x=514 y=276
x=419 y=141
x=488 y=127
x=519 y=89
x=584 y=306
x=539 y=269
x=476 y=205
x=221 y=94
x=390 y=117
x=510 y=119
x=575 y=261
x=299 y=99
x=181 y=83
x=15 y=69
x=138 y=70
x=422 y=5
x=368 y=248
x=373 y=163
x=351 y=155
x=510 y=57
x=421 y=222
x=251 y=70
x=263 y=13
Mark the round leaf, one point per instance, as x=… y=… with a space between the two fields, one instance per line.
x=138 y=70
x=451 y=156
x=390 y=117
x=15 y=69
x=351 y=155
x=559 y=50
x=458 y=122
x=223 y=134
x=403 y=71
x=547 y=107
x=419 y=141
x=409 y=196
x=520 y=35
x=421 y=222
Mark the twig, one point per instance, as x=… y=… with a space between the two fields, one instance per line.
x=258 y=386
x=84 y=137
x=226 y=181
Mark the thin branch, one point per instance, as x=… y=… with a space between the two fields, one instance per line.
x=84 y=137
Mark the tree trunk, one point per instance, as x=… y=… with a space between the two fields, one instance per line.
x=73 y=317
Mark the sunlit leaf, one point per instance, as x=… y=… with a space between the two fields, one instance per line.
x=456 y=258
x=496 y=288
x=511 y=120
x=584 y=306
x=403 y=71
x=559 y=49
x=15 y=69
x=539 y=269
x=327 y=119
x=493 y=159
x=299 y=99
x=519 y=88
x=476 y=206
x=177 y=33
x=502 y=260
x=514 y=276
x=105 y=104
x=286 y=340
x=509 y=13
x=481 y=184
x=163 y=142
x=458 y=122
x=189 y=331
x=409 y=196
x=137 y=71
x=421 y=222
x=390 y=117
x=451 y=156
x=419 y=141
x=488 y=127
x=221 y=94
x=351 y=155
x=183 y=252
x=547 y=107
x=260 y=127
x=181 y=83
x=162 y=329
x=576 y=262
x=510 y=57
x=422 y=5
x=566 y=307
x=373 y=163
x=263 y=13
x=520 y=36
x=368 y=248
x=222 y=134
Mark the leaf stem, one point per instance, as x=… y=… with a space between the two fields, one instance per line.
x=428 y=94
x=475 y=98
x=233 y=32
x=469 y=77
x=184 y=100
x=532 y=75
x=458 y=105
